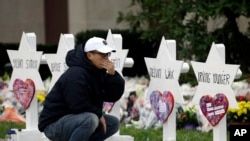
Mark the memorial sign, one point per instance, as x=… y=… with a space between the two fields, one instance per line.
x=25 y=81
x=214 y=93
x=164 y=72
x=119 y=58
x=56 y=62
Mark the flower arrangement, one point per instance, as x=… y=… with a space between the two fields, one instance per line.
x=187 y=117
x=240 y=114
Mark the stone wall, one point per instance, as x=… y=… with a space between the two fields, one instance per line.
x=19 y=16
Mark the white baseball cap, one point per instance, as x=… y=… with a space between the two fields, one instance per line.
x=98 y=44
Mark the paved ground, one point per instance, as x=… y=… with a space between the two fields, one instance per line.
x=2 y=140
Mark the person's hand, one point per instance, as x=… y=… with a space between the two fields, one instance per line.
x=103 y=123
x=109 y=66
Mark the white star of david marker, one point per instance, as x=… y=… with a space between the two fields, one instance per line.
x=164 y=72
x=56 y=62
x=115 y=41
x=25 y=63
x=214 y=77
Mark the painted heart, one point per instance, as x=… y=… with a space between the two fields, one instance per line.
x=24 y=91
x=162 y=104
x=214 y=108
x=107 y=106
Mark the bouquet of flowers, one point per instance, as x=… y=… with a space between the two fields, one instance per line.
x=187 y=117
x=240 y=114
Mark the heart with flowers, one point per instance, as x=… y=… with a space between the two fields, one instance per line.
x=162 y=104
x=214 y=108
x=24 y=91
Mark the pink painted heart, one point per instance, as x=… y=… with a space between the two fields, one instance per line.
x=24 y=91
x=107 y=106
x=162 y=104
x=214 y=108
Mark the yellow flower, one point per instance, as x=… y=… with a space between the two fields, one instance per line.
x=41 y=96
x=241 y=114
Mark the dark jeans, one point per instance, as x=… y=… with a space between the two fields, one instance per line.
x=81 y=127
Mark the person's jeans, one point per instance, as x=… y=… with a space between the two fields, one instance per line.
x=81 y=127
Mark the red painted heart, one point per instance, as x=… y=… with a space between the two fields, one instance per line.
x=162 y=104
x=107 y=106
x=215 y=108
x=24 y=91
